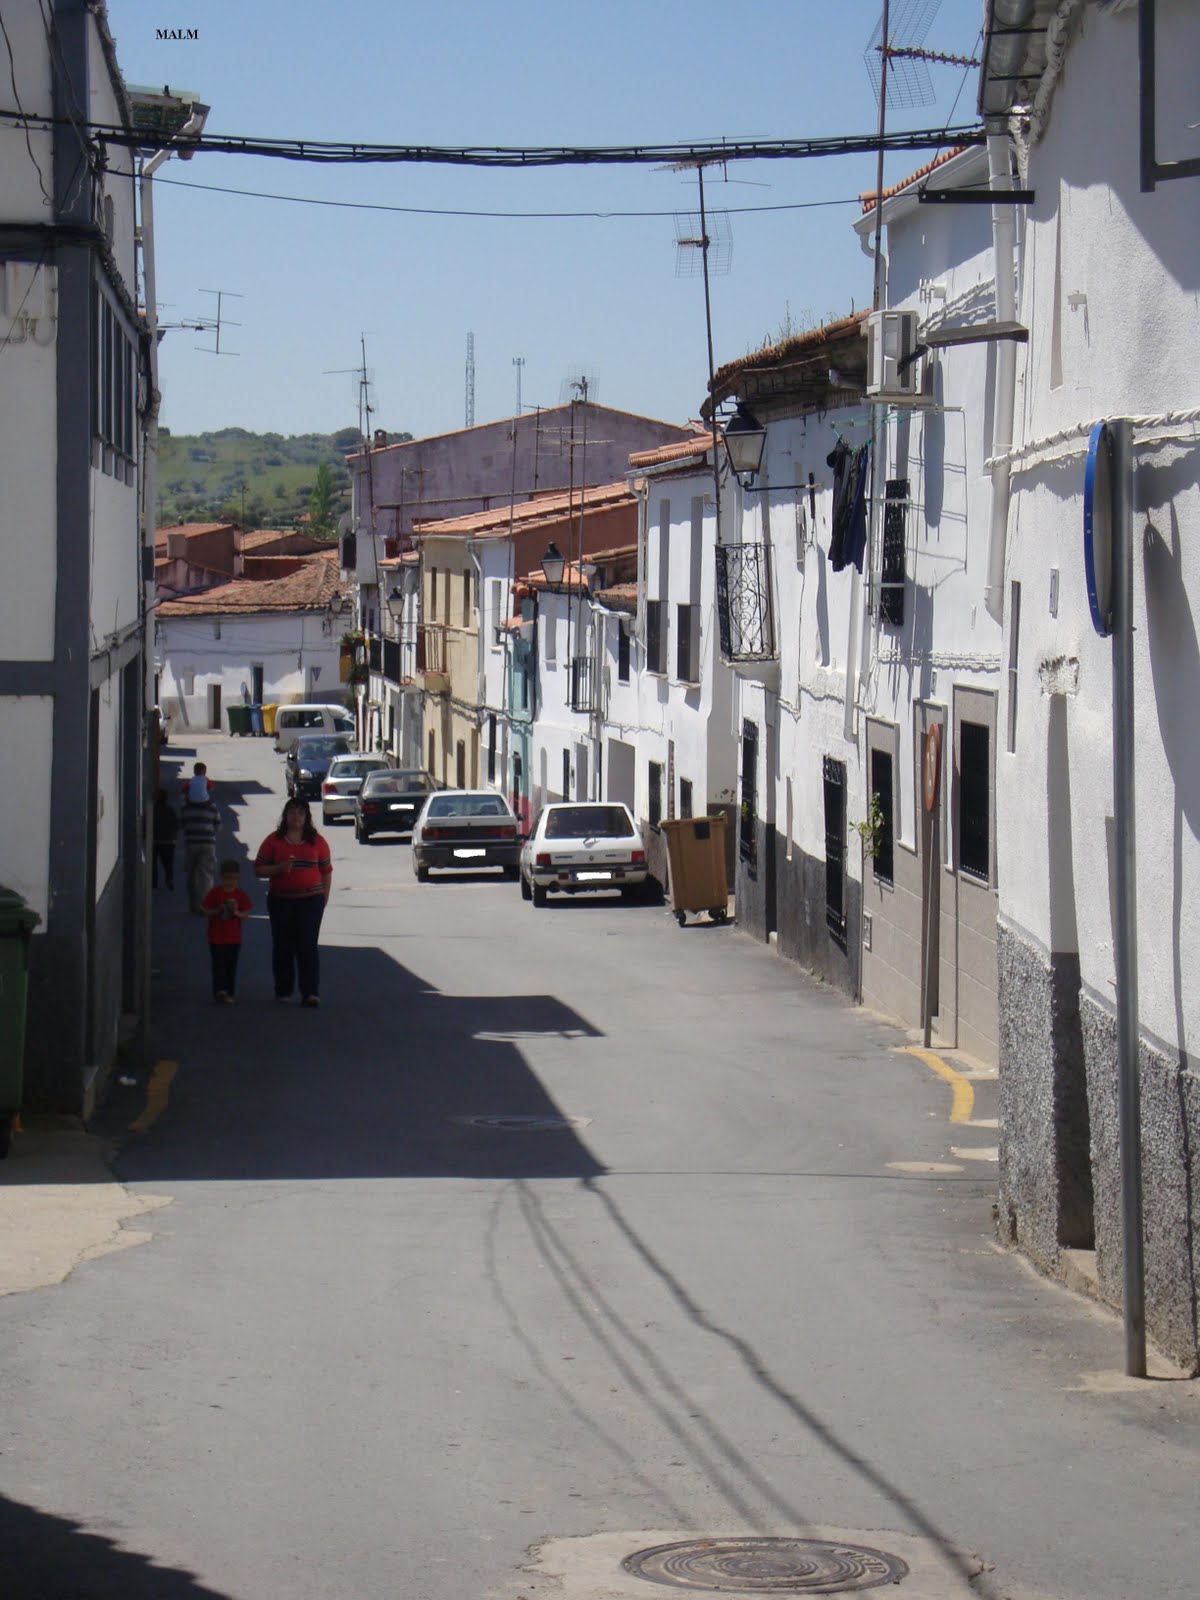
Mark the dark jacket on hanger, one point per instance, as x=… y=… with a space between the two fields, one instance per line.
x=848 y=542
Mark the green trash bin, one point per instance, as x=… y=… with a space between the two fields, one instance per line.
x=239 y=720
x=17 y=923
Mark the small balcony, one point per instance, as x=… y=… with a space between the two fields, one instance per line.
x=744 y=610
x=583 y=684
x=433 y=666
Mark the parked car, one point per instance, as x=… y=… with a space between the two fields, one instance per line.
x=466 y=828
x=575 y=847
x=308 y=761
x=340 y=785
x=297 y=722
x=389 y=802
x=162 y=725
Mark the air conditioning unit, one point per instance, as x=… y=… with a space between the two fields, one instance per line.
x=891 y=341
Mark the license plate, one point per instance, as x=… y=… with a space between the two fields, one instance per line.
x=593 y=877
x=399 y=808
x=470 y=852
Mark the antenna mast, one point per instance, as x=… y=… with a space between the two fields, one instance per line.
x=470 y=405
x=518 y=362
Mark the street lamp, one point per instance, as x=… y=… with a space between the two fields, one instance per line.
x=553 y=564
x=395 y=602
x=745 y=438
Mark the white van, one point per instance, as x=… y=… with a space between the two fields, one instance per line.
x=292 y=721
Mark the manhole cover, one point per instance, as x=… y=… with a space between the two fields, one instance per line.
x=524 y=1124
x=790 y=1566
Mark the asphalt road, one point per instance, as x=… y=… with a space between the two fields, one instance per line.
x=732 y=1273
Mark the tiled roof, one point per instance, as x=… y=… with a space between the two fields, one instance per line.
x=547 y=412
x=494 y=523
x=684 y=450
x=619 y=597
x=190 y=530
x=309 y=589
x=868 y=200
x=799 y=365
x=256 y=538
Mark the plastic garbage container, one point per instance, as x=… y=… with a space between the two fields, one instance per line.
x=17 y=923
x=696 y=852
x=239 y=720
x=256 y=721
x=268 y=712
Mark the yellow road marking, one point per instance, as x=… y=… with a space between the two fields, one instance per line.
x=157 y=1092
x=964 y=1094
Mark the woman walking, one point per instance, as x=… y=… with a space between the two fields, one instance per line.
x=295 y=862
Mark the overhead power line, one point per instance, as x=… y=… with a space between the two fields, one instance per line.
x=327 y=152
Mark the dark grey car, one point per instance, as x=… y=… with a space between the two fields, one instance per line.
x=308 y=760
x=390 y=802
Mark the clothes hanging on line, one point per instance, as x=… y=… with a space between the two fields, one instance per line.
x=848 y=542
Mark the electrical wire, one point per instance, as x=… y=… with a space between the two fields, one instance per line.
x=438 y=211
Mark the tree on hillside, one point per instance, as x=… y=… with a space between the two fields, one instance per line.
x=321 y=502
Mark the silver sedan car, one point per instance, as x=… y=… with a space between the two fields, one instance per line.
x=576 y=846
x=342 y=782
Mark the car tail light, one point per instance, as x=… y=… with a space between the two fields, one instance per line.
x=638 y=858
x=435 y=833
x=497 y=833
x=371 y=807
x=542 y=859
x=327 y=787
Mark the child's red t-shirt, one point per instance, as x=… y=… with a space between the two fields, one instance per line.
x=226 y=929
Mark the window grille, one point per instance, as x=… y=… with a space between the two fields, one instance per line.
x=895 y=523
x=834 y=774
x=656 y=654
x=883 y=862
x=685 y=797
x=656 y=789
x=687 y=651
x=748 y=822
x=744 y=613
x=623 y=652
x=974 y=800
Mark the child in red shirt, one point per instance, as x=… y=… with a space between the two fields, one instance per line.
x=226 y=906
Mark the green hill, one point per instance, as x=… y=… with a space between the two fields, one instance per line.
x=261 y=480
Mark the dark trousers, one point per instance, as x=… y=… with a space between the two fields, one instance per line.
x=164 y=857
x=295 y=929
x=224 y=967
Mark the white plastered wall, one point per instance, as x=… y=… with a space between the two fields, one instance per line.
x=27 y=725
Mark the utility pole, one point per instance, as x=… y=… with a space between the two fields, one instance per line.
x=470 y=406
x=518 y=362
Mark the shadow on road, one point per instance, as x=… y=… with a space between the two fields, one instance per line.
x=44 y=1557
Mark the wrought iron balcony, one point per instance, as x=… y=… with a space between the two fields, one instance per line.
x=744 y=610
x=583 y=684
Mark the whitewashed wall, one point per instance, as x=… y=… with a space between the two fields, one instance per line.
x=557 y=727
x=108 y=783
x=28 y=468
x=27 y=725
x=289 y=646
x=21 y=190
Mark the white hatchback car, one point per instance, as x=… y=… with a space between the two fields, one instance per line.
x=340 y=785
x=575 y=846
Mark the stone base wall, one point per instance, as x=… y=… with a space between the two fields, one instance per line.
x=1170 y=1179
x=1060 y=1169
x=793 y=908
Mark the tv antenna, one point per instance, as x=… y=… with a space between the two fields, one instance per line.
x=365 y=377
x=580 y=383
x=469 y=407
x=703 y=240
x=215 y=324
x=518 y=362
x=899 y=40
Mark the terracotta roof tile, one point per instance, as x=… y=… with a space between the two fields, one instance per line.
x=310 y=588
x=494 y=524
x=810 y=350
x=868 y=200
x=684 y=450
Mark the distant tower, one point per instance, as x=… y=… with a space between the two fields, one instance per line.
x=518 y=362
x=470 y=423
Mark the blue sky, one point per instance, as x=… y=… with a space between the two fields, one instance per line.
x=566 y=294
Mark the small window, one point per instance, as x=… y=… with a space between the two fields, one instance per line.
x=895 y=522
x=974 y=800
x=656 y=653
x=622 y=651
x=834 y=776
x=466 y=609
x=654 y=806
x=748 y=820
x=883 y=862
x=687 y=644
x=685 y=797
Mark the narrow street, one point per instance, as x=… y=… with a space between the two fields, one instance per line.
x=719 y=1264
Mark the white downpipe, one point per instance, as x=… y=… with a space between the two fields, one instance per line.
x=1004 y=252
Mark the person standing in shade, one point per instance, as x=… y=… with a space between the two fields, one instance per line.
x=227 y=906
x=198 y=821
x=295 y=862
x=166 y=826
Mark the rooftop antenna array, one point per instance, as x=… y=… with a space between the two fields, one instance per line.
x=703 y=239
x=518 y=362
x=580 y=383
x=470 y=396
x=211 y=325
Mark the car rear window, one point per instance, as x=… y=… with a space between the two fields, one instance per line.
x=353 y=769
x=588 y=822
x=467 y=805
x=315 y=745
x=396 y=783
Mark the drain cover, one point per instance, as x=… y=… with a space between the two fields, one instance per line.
x=524 y=1124
x=787 y=1566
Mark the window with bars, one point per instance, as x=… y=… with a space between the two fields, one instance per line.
x=687 y=644
x=623 y=652
x=748 y=817
x=685 y=797
x=491 y=755
x=834 y=783
x=654 y=804
x=883 y=861
x=656 y=644
x=895 y=524
x=974 y=800
x=566 y=775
